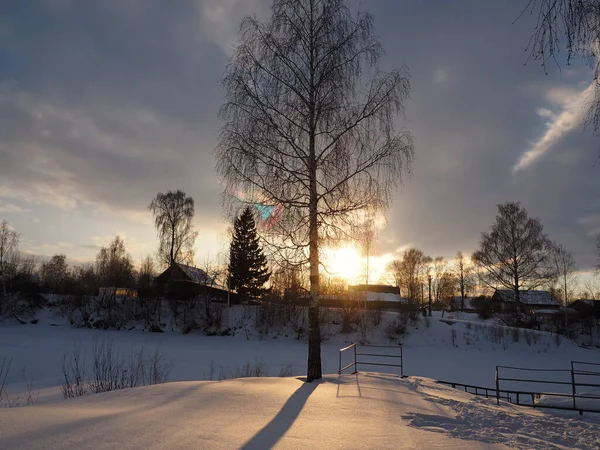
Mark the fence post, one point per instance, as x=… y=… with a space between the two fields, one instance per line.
x=340 y=366
x=573 y=384
x=401 y=363
x=355 y=366
x=497 y=388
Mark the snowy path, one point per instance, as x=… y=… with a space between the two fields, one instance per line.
x=355 y=412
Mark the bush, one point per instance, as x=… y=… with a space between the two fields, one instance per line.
x=349 y=313
x=110 y=371
x=397 y=327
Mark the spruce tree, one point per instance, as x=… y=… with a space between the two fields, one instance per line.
x=248 y=271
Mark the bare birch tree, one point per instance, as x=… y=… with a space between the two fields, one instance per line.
x=9 y=244
x=515 y=254
x=566 y=269
x=309 y=126
x=173 y=213
x=464 y=277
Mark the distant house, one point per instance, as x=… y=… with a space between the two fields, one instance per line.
x=181 y=280
x=533 y=306
x=506 y=300
x=375 y=293
x=586 y=307
x=456 y=304
x=183 y=272
x=118 y=292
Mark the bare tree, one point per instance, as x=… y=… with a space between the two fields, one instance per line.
x=411 y=272
x=515 y=254
x=464 y=277
x=173 y=213
x=114 y=267
x=597 y=268
x=591 y=288
x=394 y=270
x=310 y=128
x=566 y=269
x=367 y=235
x=146 y=273
x=444 y=283
x=573 y=26
x=54 y=273
x=9 y=245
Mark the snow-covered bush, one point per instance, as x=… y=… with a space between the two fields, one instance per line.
x=396 y=328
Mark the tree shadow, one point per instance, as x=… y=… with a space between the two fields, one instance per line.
x=281 y=423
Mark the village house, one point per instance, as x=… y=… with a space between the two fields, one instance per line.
x=186 y=281
x=534 y=306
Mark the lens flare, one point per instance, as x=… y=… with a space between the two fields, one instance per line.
x=268 y=215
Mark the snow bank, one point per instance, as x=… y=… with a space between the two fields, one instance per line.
x=351 y=412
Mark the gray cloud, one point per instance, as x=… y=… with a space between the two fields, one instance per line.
x=103 y=104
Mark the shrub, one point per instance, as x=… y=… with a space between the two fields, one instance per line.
x=395 y=328
x=110 y=371
x=286 y=371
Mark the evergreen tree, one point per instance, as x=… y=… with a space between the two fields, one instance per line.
x=248 y=271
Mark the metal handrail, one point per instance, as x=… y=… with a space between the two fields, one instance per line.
x=340 y=368
x=586 y=363
x=533 y=370
x=356 y=362
x=573 y=383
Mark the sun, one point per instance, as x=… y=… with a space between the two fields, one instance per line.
x=349 y=264
x=344 y=262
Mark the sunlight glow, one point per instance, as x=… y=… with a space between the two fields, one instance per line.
x=349 y=264
x=344 y=262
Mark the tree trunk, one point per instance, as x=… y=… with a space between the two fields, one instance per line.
x=314 y=330
x=429 y=280
x=171 y=258
x=462 y=289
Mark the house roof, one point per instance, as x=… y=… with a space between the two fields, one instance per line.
x=195 y=274
x=588 y=301
x=529 y=297
x=378 y=288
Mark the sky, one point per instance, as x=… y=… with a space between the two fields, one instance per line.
x=105 y=104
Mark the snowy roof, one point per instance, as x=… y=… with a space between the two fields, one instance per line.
x=549 y=311
x=529 y=297
x=588 y=301
x=385 y=297
x=195 y=274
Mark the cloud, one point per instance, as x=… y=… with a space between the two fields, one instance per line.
x=104 y=104
x=104 y=155
x=571 y=112
x=221 y=19
x=11 y=208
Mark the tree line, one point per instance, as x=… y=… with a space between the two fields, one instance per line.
x=515 y=255
x=247 y=272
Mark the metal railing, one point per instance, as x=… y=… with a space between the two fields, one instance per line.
x=353 y=363
x=356 y=354
x=562 y=377
x=477 y=390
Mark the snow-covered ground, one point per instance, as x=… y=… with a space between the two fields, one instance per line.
x=456 y=350
x=367 y=411
x=373 y=411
